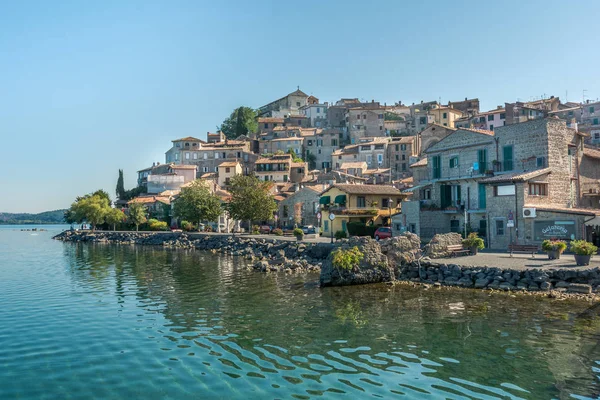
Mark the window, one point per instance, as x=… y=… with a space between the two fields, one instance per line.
x=364 y=116
x=403 y=157
x=385 y=202
x=216 y=155
x=297 y=104
x=223 y=155
x=227 y=170
x=508 y=158
x=454 y=225
x=380 y=158
x=334 y=142
x=499 y=227
x=397 y=147
x=595 y=121
x=369 y=159
x=570 y=113
x=227 y=180
x=437 y=167
x=299 y=122
x=325 y=226
x=285 y=178
x=397 y=158
x=491 y=117
x=427 y=194
x=491 y=127
x=176 y=156
x=444 y=116
x=538 y=189
x=266 y=126
x=482 y=160
x=504 y=190
x=403 y=147
x=205 y=169
x=239 y=155
x=502 y=116
x=187 y=156
x=365 y=147
x=540 y=162
x=403 y=166
x=380 y=116
x=591 y=110
x=195 y=156
x=481 y=119
x=318 y=110
x=423 y=120
x=358 y=116
x=379 y=147
x=216 y=169
x=380 y=127
x=205 y=156
x=360 y=201
x=454 y=162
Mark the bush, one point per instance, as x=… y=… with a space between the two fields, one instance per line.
x=277 y=232
x=554 y=245
x=298 y=232
x=346 y=259
x=473 y=240
x=341 y=235
x=583 y=248
x=187 y=226
x=255 y=229
x=208 y=228
x=156 y=225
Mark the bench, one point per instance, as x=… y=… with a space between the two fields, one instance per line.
x=457 y=250
x=523 y=248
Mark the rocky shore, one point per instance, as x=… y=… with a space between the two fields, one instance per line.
x=391 y=260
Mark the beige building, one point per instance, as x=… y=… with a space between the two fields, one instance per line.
x=280 y=168
x=373 y=151
x=228 y=170
x=445 y=116
x=365 y=121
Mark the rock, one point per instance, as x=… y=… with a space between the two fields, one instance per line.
x=506 y=286
x=437 y=247
x=481 y=283
x=562 y=284
x=579 y=288
x=545 y=286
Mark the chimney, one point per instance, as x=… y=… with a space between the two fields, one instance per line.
x=465 y=99
x=498 y=107
x=421 y=101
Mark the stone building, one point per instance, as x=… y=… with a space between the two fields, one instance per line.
x=161 y=177
x=316 y=114
x=280 y=168
x=365 y=120
x=402 y=151
x=468 y=107
x=519 y=111
x=319 y=145
x=226 y=171
x=370 y=150
x=530 y=173
x=282 y=144
x=300 y=208
x=286 y=105
x=208 y=156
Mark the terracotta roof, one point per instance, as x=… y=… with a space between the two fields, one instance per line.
x=590 y=152
x=189 y=138
x=296 y=116
x=229 y=164
x=346 y=150
x=318 y=188
x=287 y=128
x=421 y=163
x=517 y=176
x=287 y=138
x=208 y=175
x=354 y=164
x=376 y=171
x=149 y=199
x=279 y=198
x=441 y=126
x=268 y=119
x=298 y=164
x=181 y=166
x=403 y=140
x=367 y=189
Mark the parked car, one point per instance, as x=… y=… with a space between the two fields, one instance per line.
x=383 y=232
x=265 y=229
x=309 y=229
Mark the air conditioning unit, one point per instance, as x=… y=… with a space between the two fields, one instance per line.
x=528 y=212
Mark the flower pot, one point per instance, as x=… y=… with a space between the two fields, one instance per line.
x=553 y=254
x=582 y=260
x=473 y=250
x=299 y=238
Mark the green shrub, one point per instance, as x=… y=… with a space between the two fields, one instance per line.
x=341 y=235
x=187 y=226
x=156 y=225
x=347 y=259
x=298 y=232
x=583 y=248
x=473 y=240
x=255 y=229
x=277 y=232
x=554 y=245
x=357 y=228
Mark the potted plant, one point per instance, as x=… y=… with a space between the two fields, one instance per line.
x=583 y=251
x=554 y=248
x=299 y=233
x=473 y=242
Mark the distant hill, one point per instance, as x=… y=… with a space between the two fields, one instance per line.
x=46 y=217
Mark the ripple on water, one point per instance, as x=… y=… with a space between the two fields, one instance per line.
x=83 y=321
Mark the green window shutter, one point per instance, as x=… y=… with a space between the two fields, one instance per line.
x=482 y=202
x=508 y=158
x=436 y=167
x=482 y=160
x=458 y=196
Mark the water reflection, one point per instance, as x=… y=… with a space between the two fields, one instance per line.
x=231 y=332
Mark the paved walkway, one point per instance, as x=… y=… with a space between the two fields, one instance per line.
x=518 y=261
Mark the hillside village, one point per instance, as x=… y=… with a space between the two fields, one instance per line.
x=523 y=172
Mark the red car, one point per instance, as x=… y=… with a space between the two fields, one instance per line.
x=383 y=232
x=265 y=229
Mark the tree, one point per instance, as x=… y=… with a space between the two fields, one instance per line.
x=137 y=214
x=295 y=157
x=242 y=121
x=251 y=199
x=120 y=186
x=90 y=208
x=197 y=203
x=114 y=217
x=311 y=159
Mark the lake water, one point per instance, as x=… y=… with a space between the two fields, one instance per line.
x=99 y=321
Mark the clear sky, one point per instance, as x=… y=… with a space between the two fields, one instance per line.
x=88 y=87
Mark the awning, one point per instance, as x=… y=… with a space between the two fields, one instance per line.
x=324 y=200
x=340 y=199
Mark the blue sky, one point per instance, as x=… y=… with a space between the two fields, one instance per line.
x=87 y=88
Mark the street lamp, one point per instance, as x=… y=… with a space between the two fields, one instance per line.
x=390 y=201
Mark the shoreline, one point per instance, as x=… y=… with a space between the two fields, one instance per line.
x=289 y=256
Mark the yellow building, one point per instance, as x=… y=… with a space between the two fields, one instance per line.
x=370 y=204
x=445 y=116
x=228 y=170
